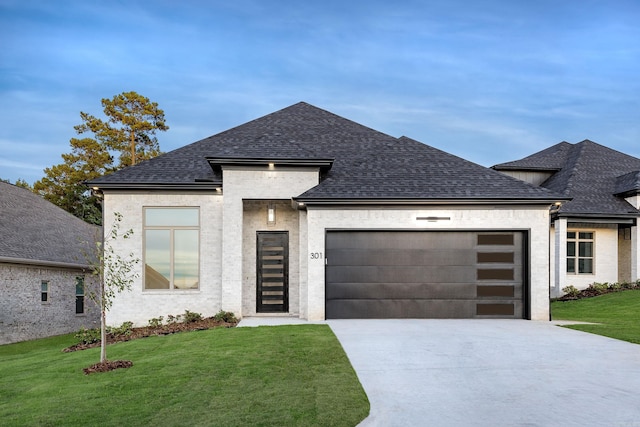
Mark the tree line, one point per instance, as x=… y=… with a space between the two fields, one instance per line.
x=126 y=137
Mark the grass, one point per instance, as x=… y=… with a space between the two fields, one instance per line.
x=617 y=314
x=267 y=376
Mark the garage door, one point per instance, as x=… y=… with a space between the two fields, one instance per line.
x=425 y=274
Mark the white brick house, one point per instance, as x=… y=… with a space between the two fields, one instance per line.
x=594 y=236
x=44 y=276
x=304 y=213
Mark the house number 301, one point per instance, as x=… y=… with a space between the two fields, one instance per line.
x=316 y=255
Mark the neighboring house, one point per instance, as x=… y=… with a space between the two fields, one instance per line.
x=304 y=213
x=594 y=236
x=44 y=274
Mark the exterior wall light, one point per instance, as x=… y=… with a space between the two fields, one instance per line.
x=271 y=214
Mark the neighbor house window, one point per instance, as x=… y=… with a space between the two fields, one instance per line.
x=580 y=252
x=171 y=248
x=44 y=291
x=79 y=295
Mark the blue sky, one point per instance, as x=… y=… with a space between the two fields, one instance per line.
x=487 y=80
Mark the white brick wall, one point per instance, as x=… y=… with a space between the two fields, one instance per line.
x=256 y=184
x=23 y=316
x=139 y=305
x=606 y=256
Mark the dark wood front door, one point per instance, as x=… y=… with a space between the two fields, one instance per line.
x=272 y=272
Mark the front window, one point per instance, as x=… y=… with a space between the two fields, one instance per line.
x=79 y=295
x=44 y=291
x=172 y=248
x=580 y=252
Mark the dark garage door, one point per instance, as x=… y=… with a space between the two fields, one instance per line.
x=425 y=274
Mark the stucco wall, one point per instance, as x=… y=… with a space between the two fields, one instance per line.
x=139 y=305
x=23 y=316
x=534 y=219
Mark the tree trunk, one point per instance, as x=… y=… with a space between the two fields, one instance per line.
x=103 y=337
x=133 y=148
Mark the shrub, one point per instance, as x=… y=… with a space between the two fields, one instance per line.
x=225 y=316
x=571 y=291
x=598 y=288
x=190 y=316
x=124 y=329
x=156 y=322
x=173 y=319
x=88 y=336
x=616 y=286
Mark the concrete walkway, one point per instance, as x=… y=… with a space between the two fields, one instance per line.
x=491 y=373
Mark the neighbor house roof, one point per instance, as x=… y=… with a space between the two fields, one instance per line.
x=34 y=231
x=359 y=163
x=595 y=177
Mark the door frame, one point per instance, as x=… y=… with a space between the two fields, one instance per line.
x=284 y=307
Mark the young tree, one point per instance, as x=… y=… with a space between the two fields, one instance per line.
x=130 y=129
x=114 y=274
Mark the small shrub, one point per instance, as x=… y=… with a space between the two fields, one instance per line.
x=88 y=336
x=571 y=291
x=156 y=322
x=125 y=329
x=616 y=286
x=598 y=288
x=225 y=316
x=190 y=316
x=174 y=319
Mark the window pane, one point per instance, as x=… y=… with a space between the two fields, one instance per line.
x=44 y=286
x=185 y=273
x=79 y=305
x=79 y=285
x=44 y=297
x=588 y=236
x=157 y=256
x=585 y=249
x=571 y=248
x=171 y=217
x=571 y=265
x=571 y=234
x=585 y=266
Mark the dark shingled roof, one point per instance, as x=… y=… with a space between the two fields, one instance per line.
x=32 y=230
x=593 y=175
x=367 y=164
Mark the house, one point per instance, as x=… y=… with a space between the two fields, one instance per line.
x=306 y=214
x=593 y=236
x=44 y=274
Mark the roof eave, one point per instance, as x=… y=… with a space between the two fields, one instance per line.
x=134 y=186
x=311 y=201
x=44 y=263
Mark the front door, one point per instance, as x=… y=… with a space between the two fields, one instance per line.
x=272 y=272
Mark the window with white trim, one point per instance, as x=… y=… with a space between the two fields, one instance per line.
x=171 y=248
x=580 y=252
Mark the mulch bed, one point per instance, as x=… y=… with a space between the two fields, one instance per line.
x=143 y=332
x=590 y=293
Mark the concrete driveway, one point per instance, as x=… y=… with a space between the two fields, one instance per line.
x=491 y=373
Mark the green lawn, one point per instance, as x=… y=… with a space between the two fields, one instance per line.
x=617 y=314
x=267 y=376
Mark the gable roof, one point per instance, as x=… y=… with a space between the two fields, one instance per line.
x=594 y=176
x=362 y=163
x=34 y=231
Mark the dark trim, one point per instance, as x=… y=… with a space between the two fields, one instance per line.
x=195 y=185
x=43 y=263
x=217 y=163
x=525 y=169
x=599 y=219
x=418 y=201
